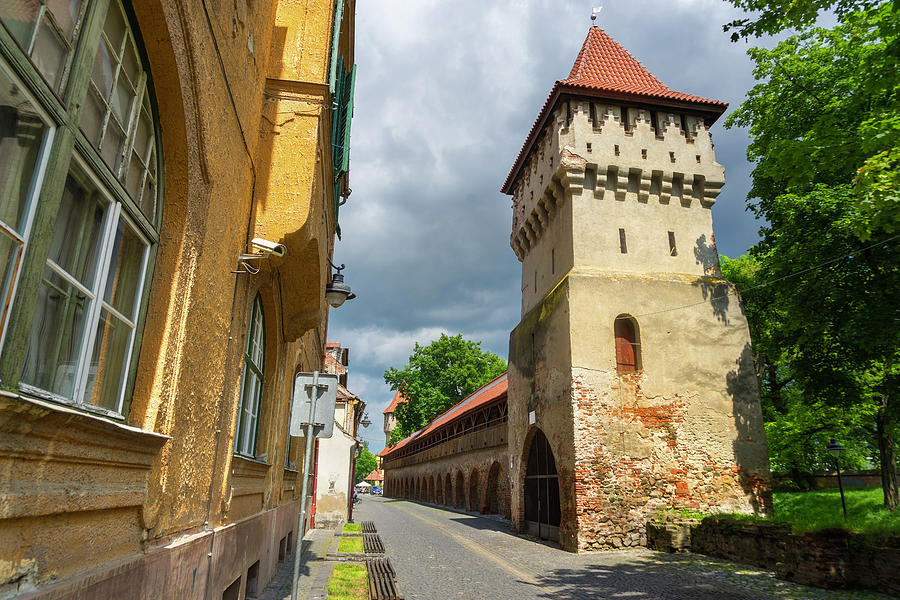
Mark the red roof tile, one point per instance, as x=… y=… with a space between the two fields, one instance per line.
x=604 y=69
x=489 y=392
x=398 y=398
x=376 y=475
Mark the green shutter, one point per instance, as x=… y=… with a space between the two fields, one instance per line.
x=348 y=117
x=335 y=39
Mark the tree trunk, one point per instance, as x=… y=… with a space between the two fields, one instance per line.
x=884 y=432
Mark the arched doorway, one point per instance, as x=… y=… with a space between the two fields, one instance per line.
x=460 y=490
x=448 y=490
x=542 y=512
x=474 y=491
x=492 y=496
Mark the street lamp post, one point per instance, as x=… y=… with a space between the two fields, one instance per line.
x=835 y=449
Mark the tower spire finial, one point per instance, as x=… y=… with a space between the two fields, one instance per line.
x=594 y=12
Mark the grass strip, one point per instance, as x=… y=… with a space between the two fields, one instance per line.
x=350 y=544
x=348 y=582
x=353 y=528
x=812 y=511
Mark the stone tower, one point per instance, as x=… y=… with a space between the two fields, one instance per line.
x=631 y=383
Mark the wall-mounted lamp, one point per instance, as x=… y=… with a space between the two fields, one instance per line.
x=336 y=291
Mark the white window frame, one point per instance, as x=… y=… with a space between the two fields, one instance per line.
x=37 y=183
x=113 y=211
x=245 y=437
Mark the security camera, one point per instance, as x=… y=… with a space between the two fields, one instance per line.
x=267 y=247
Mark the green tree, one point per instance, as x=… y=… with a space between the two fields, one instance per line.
x=824 y=131
x=437 y=377
x=365 y=463
x=774 y=16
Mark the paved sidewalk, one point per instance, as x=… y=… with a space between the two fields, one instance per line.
x=315 y=570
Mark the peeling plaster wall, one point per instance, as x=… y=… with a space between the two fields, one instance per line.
x=684 y=431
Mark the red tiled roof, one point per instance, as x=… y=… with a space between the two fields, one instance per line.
x=604 y=69
x=384 y=451
x=398 y=398
x=376 y=475
x=332 y=344
x=489 y=392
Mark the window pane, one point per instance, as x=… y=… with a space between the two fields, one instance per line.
x=57 y=331
x=113 y=141
x=103 y=72
x=92 y=117
x=65 y=13
x=121 y=102
x=20 y=18
x=10 y=253
x=115 y=25
x=106 y=368
x=21 y=134
x=49 y=54
x=77 y=234
x=124 y=279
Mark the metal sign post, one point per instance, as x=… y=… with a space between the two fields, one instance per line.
x=320 y=391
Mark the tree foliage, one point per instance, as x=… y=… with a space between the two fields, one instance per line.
x=365 y=463
x=774 y=16
x=437 y=377
x=822 y=288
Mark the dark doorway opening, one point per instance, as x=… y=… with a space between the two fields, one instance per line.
x=542 y=511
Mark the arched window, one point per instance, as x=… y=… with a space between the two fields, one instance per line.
x=251 y=383
x=79 y=172
x=628 y=345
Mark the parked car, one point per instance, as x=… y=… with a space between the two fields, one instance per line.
x=376 y=491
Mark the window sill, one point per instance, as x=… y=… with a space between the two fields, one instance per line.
x=112 y=459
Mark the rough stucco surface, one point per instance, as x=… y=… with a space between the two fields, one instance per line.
x=246 y=149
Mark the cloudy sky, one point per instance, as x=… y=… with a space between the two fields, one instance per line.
x=445 y=94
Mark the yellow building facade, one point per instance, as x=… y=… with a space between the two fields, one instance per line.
x=146 y=369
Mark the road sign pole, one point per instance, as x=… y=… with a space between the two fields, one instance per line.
x=313 y=391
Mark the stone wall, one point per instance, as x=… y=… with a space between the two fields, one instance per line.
x=476 y=480
x=828 y=559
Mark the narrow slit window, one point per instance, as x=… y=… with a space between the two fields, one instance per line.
x=588 y=146
x=623 y=247
x=673 y=251
x=552 y=261
x=535 y=281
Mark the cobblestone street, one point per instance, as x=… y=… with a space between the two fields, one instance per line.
x=439 y=554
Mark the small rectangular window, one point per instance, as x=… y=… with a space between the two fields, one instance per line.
x=653 y=120
x=623 y=247
x=673 y=251
x=589 y=147
x=624 y=116
x=535 y=281
x=553 y=260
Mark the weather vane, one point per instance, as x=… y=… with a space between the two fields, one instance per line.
x=595 y=11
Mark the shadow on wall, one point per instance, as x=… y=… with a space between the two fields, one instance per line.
x=656 y=576
x=715 y=290
x=750 y=450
